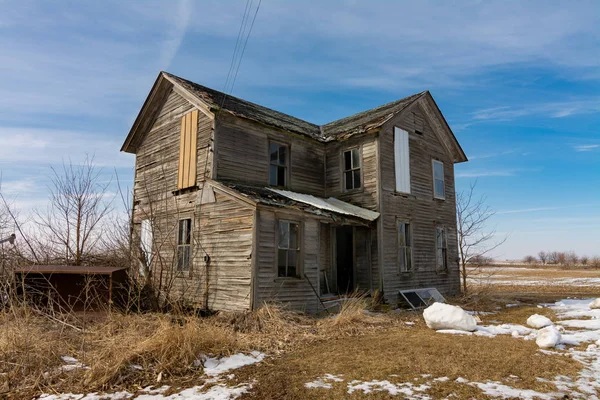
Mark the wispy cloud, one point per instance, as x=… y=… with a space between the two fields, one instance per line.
x=490 y=172
x=491 y=155
x=551 y=110
x=586 y=147
x=548 y=208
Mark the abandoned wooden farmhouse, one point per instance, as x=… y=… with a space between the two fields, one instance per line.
x=236 y=204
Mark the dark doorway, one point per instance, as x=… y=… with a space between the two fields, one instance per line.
x=344 y=259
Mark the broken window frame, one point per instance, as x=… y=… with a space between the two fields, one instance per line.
x=184 y=244
x=278 y=165
x=287 y=249
x=438 y=179
x=353 y=171
x=404 y=236
x=424 y=297
x=441 y=249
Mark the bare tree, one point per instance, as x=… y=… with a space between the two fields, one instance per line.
x=543 y=256
x=584 y=260
x=78 y=205
x=571 y=258
x=530 y=260
x=553 y=257
x=595 y=261
x=474 y=239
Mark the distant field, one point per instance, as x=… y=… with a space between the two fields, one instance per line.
x=535 y=279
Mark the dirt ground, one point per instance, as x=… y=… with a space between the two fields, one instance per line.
x=357 y=354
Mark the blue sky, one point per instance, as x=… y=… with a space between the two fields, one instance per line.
x=518 y=83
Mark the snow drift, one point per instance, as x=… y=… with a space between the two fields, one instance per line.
x=548 y=337
x=595 y=304
x=538 y=321
x=444 y=316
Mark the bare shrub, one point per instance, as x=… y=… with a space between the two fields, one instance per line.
x=530 y=260
x=543 y=257
x=475 y=240
x=71 y=224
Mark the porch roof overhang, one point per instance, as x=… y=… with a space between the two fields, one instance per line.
x=330 y=207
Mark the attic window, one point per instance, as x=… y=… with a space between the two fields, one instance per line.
x=278 y=164
x=352 y=169
x=186 y=176
x=418 y=123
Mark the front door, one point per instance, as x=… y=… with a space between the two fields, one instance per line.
x=344 y=255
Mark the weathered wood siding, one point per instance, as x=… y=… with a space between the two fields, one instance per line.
x=367 y=195
x=362 y=258
x=242 y=149
x=419 y=208
x=326 y=276
x=295 y=292
x=222 y=228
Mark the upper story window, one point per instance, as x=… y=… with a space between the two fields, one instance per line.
x=186 y=176
x=404 y=247
x=352 y=169
x=441 y=255
x=401 y=160
x=288 y=249
x=184 y=244
x=439 y=191
x=278 y=164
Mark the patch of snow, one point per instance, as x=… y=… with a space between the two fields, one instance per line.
x=406 y=389
x=595 y=304
x=498 y=389
x=445 y=316
x=324 y=382
x=216 y=366
x=538 y=321
x=548 y=337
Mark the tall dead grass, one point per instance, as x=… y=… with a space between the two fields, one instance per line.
x=125 y=351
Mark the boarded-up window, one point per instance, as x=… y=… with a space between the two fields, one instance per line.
x=146 y=238
x=288 y=249
x=404 y=247
x=441 y=249
x=439 y=191
x=352 y=169
x=402 y=160
x=184 y=244
x=187 y=150
x=278 y=164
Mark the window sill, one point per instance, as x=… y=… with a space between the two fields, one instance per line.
x=439 y=198
x=353 y=191
x=287 y=279
x=185 y=190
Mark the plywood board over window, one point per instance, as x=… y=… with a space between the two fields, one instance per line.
x=187 y=150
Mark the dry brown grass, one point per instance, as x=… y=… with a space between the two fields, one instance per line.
x=407 y=352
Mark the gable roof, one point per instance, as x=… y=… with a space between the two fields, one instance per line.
x=215 y=101
x=366 y=120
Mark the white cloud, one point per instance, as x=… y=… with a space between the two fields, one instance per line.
x=586 y=147
x=551 y=110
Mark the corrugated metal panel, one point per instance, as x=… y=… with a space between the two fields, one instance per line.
x=330 y=204
x=402 y=160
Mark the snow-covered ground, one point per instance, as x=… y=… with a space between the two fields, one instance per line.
x=215 y=387
x=569 y=315
x=577 y=323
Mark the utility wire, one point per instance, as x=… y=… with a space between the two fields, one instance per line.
x=231 y=78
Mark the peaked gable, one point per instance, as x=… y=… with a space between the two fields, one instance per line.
x=211 y=102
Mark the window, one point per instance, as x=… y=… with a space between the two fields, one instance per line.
x=419 y=123
x=278 y=164
x=184 y=244
x=401 y=160
x=439 y=191
x=288 y=249
x=187 y=150
x=352 y=169
x=441 y=250
x=146 y=244
x=404 y=247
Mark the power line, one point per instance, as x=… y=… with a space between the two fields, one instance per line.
x=235 y=59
